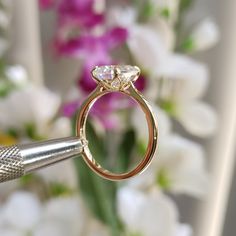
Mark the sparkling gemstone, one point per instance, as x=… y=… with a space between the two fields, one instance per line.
x=116 y=76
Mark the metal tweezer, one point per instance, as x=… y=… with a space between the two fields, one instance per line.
x=18 y=160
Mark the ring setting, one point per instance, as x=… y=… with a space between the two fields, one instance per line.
x=117 y=78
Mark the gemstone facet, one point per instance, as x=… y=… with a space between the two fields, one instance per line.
x=116 y=77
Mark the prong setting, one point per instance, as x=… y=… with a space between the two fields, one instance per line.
x=116 y=77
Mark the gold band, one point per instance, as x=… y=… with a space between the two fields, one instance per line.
x=132 y=92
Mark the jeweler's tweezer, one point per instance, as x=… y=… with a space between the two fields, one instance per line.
x=18 y=160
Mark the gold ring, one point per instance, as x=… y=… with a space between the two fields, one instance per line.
x=117 y=78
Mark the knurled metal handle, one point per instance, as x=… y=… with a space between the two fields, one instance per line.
x=11 y=163
x=17 y=160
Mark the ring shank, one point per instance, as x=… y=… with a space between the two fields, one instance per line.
x=152 y=128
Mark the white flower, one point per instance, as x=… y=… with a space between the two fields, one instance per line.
x=17 y=75
x=184 y=230
x=150 y=214
x=50 y=228
x=23 y=214
x=190 y=77
x=198 y=118
x=35 y=106
x=124 y=17
x=186 y=82
x=147 y=47
x=68 y=212
x=205 y=35
x=140 y=124
x=184 y=165
x=22 y=211
x=11 y=232
x=149 y=43
x=179 y=166
x=67 y=176
x=61 y=127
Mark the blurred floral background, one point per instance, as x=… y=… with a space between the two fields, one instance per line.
x=68 y=199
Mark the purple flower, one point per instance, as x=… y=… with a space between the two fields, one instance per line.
x=74 y=38
x=46 y=4
x=103 y=110
x=88 y=46
x=140 y=84
x=79 y=13
x=105 y=107
x=70 y=108
x=93 y=50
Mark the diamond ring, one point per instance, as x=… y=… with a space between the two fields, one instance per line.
x=117 y=78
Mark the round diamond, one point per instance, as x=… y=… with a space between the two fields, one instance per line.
x=116 y=76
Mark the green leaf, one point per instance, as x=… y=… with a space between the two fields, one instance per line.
x=26 y=179
x=59 y=189
x=187 y=45
x=99 y=194
x=96 y=143
x=184 y=5
x=125 y=149
x=162 y=180
x=5 y=88
x=31 y=132
x=141 y=148
x=146 y=11
x=165 y=12
x=13 y=133
x=168 y=106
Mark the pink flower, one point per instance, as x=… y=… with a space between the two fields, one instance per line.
x=88 y=46
x=46 y=4
x=74 y=13
x=103 y=110
x=105 y=107
x=75 y=38
x=79 y=13
x=93 y=50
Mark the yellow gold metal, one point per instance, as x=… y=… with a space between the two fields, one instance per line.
x=132 y=92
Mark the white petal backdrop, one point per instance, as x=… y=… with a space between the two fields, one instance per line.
x=141 y=211
x=211 y=217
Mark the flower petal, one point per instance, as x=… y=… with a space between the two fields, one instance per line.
x=124 y=17
x=198 y=118
x=184 y=230
x=183 y=163
x=22 y=210
x=67 y=211
x=17 y=75
x=11 y=232
x=150 y=214
x=147 y=47
x=140 y=124
x=190 y=78
x=60 y=128
x=52 y=227
x=205 y=35
x=66 y=177
x=29 y=105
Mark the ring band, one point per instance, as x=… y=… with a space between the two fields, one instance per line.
x=110 y=79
